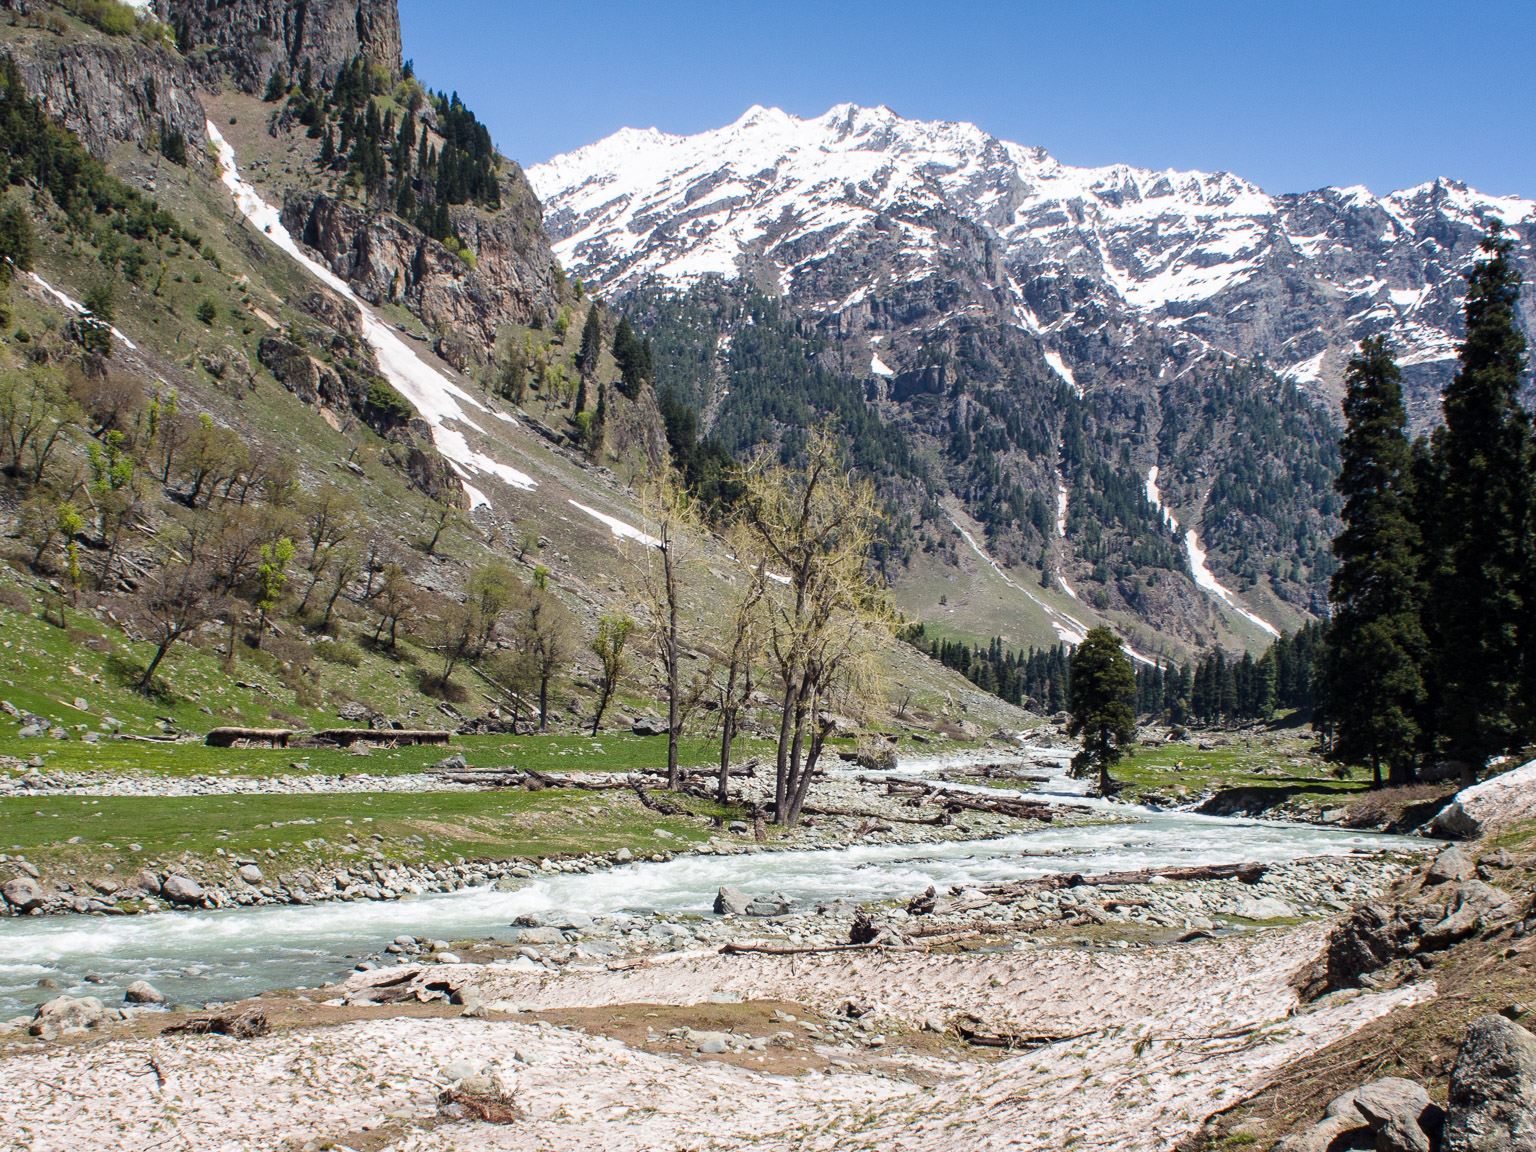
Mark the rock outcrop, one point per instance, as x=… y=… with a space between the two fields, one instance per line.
x=1491 y=806
x=109 y=91
x=251 y=39
x=386 y=260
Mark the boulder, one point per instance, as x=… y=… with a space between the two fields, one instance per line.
x=775 y=905
x=454 y=763
x=1401 y=1115
x=731 y=901
x=143 y=992
x=649 y=726
x=1493 y=1089
x=539 y=936
x=23 y=893
x=182 y=890
x=1264 y=908
x=1487 y=808
x=67 y=1012
x=1451 y=865
x=250 y=873
x=146 y=881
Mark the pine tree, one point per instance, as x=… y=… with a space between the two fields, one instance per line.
x=1478 y=592
x=1376 y=646
x=1103 y=687
x=591 y=342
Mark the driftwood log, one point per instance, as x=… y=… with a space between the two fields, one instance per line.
x=245 y=1025
x=346 y=737
x=229 y=737
x=984 y=895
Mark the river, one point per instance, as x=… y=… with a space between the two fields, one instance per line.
x=198 y=957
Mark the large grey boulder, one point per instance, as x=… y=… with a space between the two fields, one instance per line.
x=250 y=873
x=146 y=881
x=1493 y=1090
x=539 y=936
x=731 y=901
x=23 y=893
x=67 y=1012
x=182 y=890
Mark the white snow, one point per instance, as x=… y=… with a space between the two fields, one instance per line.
x=619 y=528
x=1061 y=508
x=75 y=306
x=1059 y=366
x=1308 y=371
x=436 y=398
x=878 y=366
x=1207 y=582
x=1155 y=498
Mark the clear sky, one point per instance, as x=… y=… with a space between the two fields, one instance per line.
x=1293 y=95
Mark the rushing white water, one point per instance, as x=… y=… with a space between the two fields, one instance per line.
x=201 y=956
x=436 y=398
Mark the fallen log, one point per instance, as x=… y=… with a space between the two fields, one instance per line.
x=665 y=807
x=771 y=950
x=346 y=737
x=228 y=737
x=941 y=819
x=974 y=1030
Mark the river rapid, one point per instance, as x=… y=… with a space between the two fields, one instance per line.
x=198 y=957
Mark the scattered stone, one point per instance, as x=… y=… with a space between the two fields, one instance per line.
x=143 y=992
x=447 y=958
x=454 y=763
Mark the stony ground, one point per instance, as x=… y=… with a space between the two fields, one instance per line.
x=1149 y=1043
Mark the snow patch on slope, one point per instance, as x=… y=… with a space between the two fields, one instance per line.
x=619 y=528
x=1207 y=582
x=436 y=398
x=76 y=307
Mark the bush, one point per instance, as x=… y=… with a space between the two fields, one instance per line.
x=107 y=15
x=340 y=652
x=390 y=409
x=98 y=302
x=208 y=312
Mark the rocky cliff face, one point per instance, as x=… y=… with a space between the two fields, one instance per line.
x=385 y=259
x=109 y=91
x=251 y=39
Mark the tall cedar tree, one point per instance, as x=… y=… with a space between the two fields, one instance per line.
x=1376 y=645
x=1102 y=690
x=1479 y=597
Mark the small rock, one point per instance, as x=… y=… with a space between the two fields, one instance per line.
x=143 y=992
x=250 y=873
x=454 y=763
x=448 y=958
x=67 y=1012
x=624 y=856
x=147 y=881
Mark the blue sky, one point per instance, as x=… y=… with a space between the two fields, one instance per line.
x=1293 y=95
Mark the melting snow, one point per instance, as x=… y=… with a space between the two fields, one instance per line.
x=878 y=366
x=1208 y=583
x=619 y=528
x=1308 y=371
x=1155 y=498
x=1059 y=366
x=436 y=397
x=75 y=306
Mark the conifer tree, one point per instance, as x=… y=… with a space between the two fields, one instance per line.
x=1376 y=646
x=591 y=342
x=1479 y=598
x=1103 y=687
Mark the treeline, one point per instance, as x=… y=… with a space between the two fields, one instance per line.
x=1432 y=654
x=1217 y=689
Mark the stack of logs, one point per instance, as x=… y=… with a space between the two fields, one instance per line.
x=984 y=895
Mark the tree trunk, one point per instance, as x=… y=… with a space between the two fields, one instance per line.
x=803 y=786
x=149 y=673
x=786 y=721
x=1376 y=772
x=727 y=737
x=543 y=702
x=602 y=706
x=674 y=781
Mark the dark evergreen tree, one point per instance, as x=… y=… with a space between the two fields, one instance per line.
x=1103 y=688
x=591 y=342
x=1479 y=598
x=1376 y=647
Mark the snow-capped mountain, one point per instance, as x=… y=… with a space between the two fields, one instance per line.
x=901 y=226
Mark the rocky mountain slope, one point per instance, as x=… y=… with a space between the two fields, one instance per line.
x=890 y=223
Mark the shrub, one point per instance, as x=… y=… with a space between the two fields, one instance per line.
x=340 y=652
x=98 y=301
x=389 y=407
x=207 y=312
x=107 y=15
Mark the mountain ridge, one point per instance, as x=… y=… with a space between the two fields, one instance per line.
x=773 y=195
